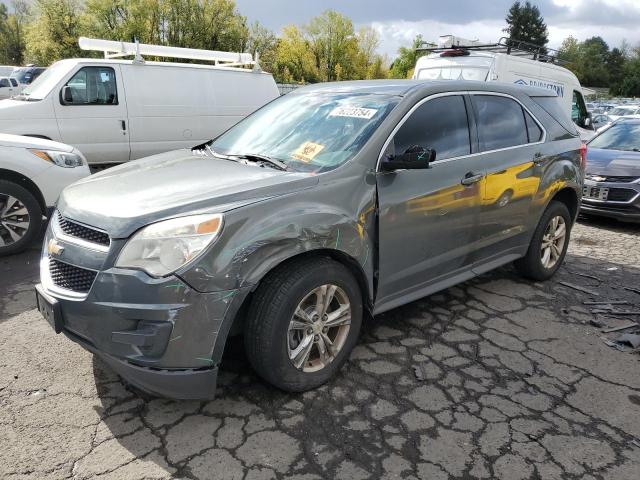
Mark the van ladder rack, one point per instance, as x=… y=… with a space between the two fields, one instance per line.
x=508 y=46
x=115 y=49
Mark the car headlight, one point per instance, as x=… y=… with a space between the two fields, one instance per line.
x=62 y=159
x=162 y=248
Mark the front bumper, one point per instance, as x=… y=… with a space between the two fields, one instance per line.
x=627 y=209
x=159 y=334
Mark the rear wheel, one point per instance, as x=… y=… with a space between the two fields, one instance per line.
x=549 y=244
x=20 y=217
x=302 y=323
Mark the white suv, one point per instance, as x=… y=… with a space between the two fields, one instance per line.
x=33 y=172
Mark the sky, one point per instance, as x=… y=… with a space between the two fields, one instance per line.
x=399 y=21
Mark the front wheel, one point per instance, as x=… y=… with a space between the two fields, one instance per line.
x=549 y=244
x=302 y=323
x=20 y=218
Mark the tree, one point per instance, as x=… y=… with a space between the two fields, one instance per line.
x=12 y=35
x=262 y=44
x=54 y=32
x=525 y=23
x=295 y=61
x=333 y=44
x=404 y=64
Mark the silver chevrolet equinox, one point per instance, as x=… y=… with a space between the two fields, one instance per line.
x=330 y=203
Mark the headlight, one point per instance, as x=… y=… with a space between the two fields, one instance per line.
x=162 y=248
x=62 y=159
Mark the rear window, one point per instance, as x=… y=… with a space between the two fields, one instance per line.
x=553 y=107
x=619 y=136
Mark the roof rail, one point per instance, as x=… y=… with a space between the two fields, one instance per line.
x=114 y=49
x=509 y=46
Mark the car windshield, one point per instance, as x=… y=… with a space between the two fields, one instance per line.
x=308 y=132
x=619 y=136
x=42 y=85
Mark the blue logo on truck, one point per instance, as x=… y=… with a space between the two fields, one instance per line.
x=559 y=89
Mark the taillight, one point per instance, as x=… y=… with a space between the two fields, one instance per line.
x=583 y=156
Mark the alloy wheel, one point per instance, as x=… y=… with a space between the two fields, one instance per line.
x=14 y=220
x=553 y=241
x=319 y=328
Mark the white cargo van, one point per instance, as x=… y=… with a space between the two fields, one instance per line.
x=114 y=110
x=507 y=61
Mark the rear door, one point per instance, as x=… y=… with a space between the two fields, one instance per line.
x=510 y=144
x=427 y=218
x=93 y=117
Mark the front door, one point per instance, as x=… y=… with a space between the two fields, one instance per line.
x=510 y=146
x=92 y=114
x=427 y=218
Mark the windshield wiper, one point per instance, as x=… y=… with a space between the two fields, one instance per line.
x=256 y=157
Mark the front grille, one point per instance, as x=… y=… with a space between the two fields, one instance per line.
x=69 y=277
x=620 y=194
x=613 y=179
x=89 y=234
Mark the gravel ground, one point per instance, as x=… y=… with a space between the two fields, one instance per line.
x=495 y=378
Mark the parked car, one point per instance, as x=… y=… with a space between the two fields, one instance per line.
x=119 y=110
x=298 y=220
x=8 y=87
x=33 y=172
x=27 y=75
x=507 y=61
x=623 y=111
x=612 y=181
x=601 y=120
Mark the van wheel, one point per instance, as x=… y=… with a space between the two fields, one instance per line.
x=20 y=218
x=549 y=244
x=303 y=322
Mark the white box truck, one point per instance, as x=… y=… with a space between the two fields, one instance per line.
x=114 y=110
x=507 y=61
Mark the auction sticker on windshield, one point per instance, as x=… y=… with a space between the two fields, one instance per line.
x=307 y=151
x=354 y=112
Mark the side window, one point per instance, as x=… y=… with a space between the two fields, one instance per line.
x=4 y=82
x=91 y=86
x=578 y=109
x=440 y=124
x=501 y=122
x=14 y=82
x=534 y=130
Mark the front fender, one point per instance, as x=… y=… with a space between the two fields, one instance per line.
x=259 y=237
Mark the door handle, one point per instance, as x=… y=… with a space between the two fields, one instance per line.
x=123 y=124
x=471 y=178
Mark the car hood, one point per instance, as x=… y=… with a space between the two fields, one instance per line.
x=613 y=163
x=122 y=199
x=20 y=141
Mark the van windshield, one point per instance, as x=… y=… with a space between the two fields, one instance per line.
x=308 y=132
x=42 y=85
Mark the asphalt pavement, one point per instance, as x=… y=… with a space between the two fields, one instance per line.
x=496 y=378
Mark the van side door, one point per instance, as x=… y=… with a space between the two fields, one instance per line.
x=91 y=112
x=511 y=149
x=428 y=218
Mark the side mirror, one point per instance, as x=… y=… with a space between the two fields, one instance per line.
x=66 y=95
x=414 y=158
x=588 y=122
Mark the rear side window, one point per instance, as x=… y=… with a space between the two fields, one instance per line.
x=554 y=108
x=533 y=129
x=440 y=124
x=4 y=82
x=501 y=122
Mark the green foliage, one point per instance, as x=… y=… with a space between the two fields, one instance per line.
x=525 y=23
x=403 y=65
x=12 y=32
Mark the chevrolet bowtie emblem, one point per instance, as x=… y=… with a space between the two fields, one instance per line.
x=596 y=178
x=54 y=248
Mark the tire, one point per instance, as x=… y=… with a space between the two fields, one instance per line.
x=268 y=339
x=14 y=239
x=532 y=265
